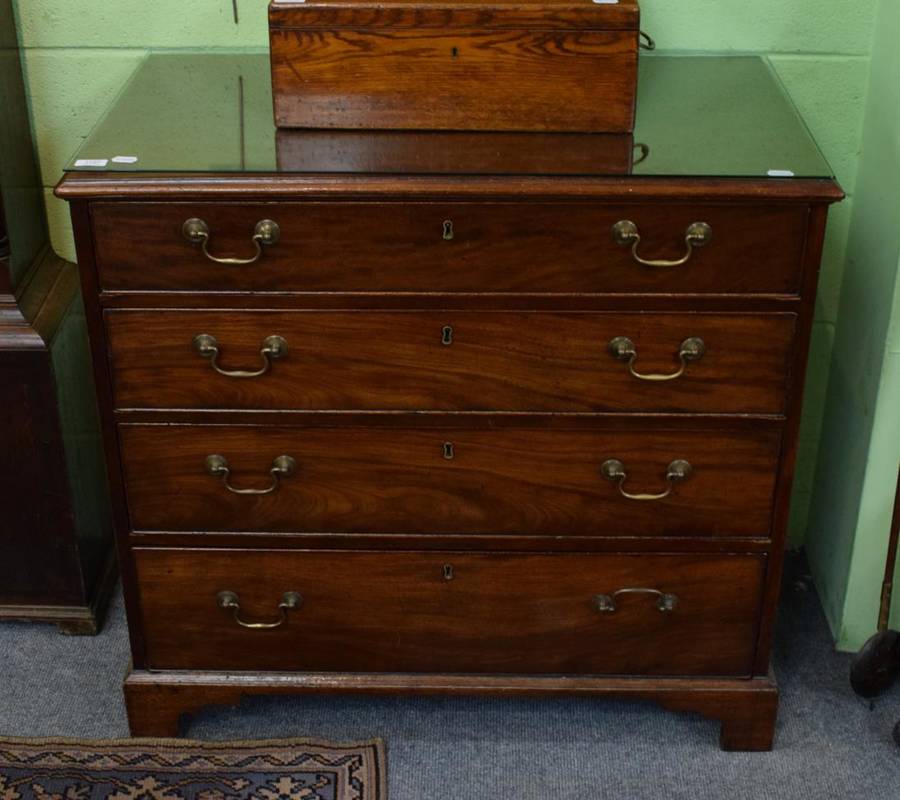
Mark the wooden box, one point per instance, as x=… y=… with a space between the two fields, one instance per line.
x=474 y=65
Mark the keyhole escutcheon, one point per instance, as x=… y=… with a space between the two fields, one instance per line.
x=447 y=335
x=448 y=451
x=448 y=572
x=447 y=227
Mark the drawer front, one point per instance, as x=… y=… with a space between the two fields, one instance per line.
x=451 y=612
x=528 y=248
x=405 y=480
x=451 y=361
x=514 y=80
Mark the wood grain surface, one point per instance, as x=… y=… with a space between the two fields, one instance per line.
x=496 y=247
x=159 y=701
x=293 y=186
x=446 y=79
x=497 y=613
x=397 y=480
x=495 y=361
x=454 y=152
x=483 y=14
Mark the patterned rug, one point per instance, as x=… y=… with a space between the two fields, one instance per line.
x=174 y=769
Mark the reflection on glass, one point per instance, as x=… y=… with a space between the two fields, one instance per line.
x=453 y=152
x=697 y=116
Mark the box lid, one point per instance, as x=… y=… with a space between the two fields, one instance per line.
x=490 y=14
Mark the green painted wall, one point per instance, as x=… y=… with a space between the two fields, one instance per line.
x=78 y=53
x=21 y=195
x=861 y=433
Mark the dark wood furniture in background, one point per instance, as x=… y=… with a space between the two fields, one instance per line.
x=56 y=558
x=463 y=434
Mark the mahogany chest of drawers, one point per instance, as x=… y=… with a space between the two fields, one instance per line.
x=451 y=433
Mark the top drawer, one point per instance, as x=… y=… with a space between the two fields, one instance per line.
x=531 y=248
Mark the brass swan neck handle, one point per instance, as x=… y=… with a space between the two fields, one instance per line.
x=273 y=348
x=230 y=601
x=265 y=234
x=626 y=233
x=282 y=467
x=623 y=349
x=614 y=470
x=607 y=603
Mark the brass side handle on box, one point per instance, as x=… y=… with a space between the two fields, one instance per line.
x=273 y=348
x=614 y=470
x=626 y=233
x=282 y=467
x=606 y=603
x=623 y=349
x=644 y=153
x=265 y=234
x=290 y=601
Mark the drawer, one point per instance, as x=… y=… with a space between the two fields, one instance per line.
x=450 y=612
x=503 y=480
x=529 y=248
x=434 y=79
x=452 y=361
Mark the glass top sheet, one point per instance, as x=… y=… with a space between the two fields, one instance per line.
x=697 y=116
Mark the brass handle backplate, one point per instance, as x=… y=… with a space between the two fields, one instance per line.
x=282 y=467
x=273 y=348
x=626 y=234
x=290 y=601
x=265 y=234
x=623 y=349
x=606 y=603
x=614 y=470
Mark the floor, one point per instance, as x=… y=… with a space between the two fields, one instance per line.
x=829 y=743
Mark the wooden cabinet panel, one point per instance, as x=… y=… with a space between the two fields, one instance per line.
x=450 y=361
x=416 y=480
x=528 y=248
x=451 y=612
x=441 y=79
